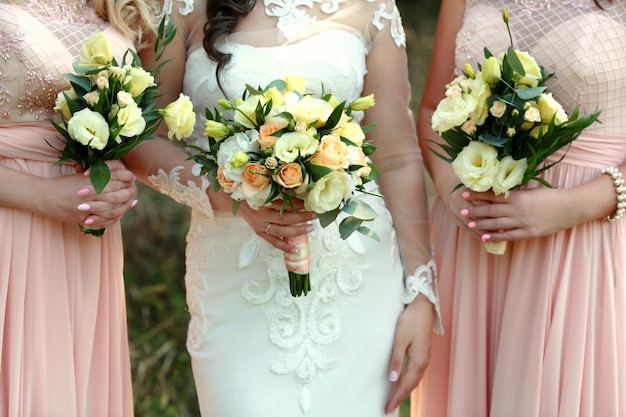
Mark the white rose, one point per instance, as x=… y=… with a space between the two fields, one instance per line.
x=452 y=112
x=89 y=128
x=124 y=98
x=231 y=145
x=477 y=165
x=510 y=175
x=498 y=108
x=328 y=192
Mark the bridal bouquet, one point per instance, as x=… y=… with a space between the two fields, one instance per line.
x=500 y=123
x=111 y=108
x=283 y=144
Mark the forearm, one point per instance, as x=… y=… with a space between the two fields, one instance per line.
x=18 y=190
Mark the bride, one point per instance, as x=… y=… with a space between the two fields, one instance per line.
x=339 y=351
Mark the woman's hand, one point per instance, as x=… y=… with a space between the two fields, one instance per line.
x=524 y=214
x=72 y=198
x=273 y=225
x=116 y=199
x=412 y=339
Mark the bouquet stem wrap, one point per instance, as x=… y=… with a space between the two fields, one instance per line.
x=298 y=265
x=496 y=248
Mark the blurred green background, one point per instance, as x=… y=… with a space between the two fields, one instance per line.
x=154 y=238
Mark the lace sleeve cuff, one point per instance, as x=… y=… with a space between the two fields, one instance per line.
x=424 y=281
x=190 y=194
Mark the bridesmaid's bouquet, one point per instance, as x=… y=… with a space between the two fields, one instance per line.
x=284 y=144
x=500 y=124
x=110 y=108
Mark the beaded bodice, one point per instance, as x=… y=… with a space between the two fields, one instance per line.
x=39 y=41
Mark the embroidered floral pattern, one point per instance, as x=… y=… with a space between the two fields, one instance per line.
x=185 y=7
x=190 y=194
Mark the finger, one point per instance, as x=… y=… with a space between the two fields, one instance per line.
x=277 y=242
x=106 y=210
x=407 y=383
x=281 y=231
x=115 y=164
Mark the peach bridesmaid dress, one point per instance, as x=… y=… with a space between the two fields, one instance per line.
x=64 y=349
x=540 y=331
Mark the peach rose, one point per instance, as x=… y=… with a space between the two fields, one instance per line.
x=265 y=139
x=290 y=175
x=256 y=178
x=226 y=183
x=331 y=153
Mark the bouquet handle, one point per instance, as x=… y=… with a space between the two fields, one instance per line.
x=298 y=265
x=496 y=248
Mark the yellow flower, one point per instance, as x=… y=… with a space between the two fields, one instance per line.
x=139 y=80
x=510 y=175
x=216 y=130
x=61 y=103
x=295 y=83
x=179 y=117
x=131 y=119
x=477 y=165
x=328 y=192
x=363 y=103
x=469 y=70
x=292 y=145
x=491 y=71
x=89 y=128
x=96 y=51
x=312 y=111
x=549 y=108
x=239 y=159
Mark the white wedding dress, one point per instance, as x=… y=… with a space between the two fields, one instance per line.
x=256 y=350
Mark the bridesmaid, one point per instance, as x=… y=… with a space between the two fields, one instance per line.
x=540 y=330
x=64 y=349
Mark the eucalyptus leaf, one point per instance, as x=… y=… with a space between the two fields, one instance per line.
x=358 y=209
x=348 y=226
x=327 y=218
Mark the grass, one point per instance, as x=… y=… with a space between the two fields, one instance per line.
x=154 y=236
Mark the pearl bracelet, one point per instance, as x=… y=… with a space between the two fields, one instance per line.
x=618 y=182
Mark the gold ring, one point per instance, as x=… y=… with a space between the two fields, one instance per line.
x=267 y=229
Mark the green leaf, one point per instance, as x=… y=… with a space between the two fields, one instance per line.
x=99 y=175
x=512 y=59
x=328 y=217
x=348 y=226
x=317 y=171
x=369 y=233
x=529 y=93
x=359 y=209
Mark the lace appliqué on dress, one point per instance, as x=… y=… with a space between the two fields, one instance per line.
x=8 y=48
x=424 y=281
x=190 y=194
x=301 y=327
x=185 y=7
x=291 y=12
x=396 y=30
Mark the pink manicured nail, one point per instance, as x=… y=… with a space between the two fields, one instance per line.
x=86 y=173
x=485 y=237
x=466 y=194
x=393 y=376
x=134 y=203
x=471 y=224
x=83 y=191
x=464 y=212
x=84 y=207
x=90 y=221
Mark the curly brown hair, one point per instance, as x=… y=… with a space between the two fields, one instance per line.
x=222 y=17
